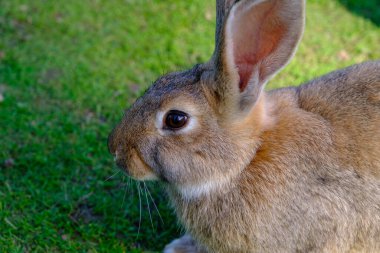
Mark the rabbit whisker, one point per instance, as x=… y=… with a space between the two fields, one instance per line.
x=140 y=208
x=112 y=176
x=147 y=202
x=155 y=206
x=125 y=191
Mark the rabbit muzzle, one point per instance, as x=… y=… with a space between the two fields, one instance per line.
x=128 y=157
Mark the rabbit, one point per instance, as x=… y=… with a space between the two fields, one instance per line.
x=294 y=169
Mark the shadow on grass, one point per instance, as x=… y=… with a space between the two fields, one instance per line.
x=369 y=9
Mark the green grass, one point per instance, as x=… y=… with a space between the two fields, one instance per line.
x=67 y=71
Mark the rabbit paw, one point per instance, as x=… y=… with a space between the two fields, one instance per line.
x=185 y=244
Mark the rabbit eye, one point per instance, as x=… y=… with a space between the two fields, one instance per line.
x=175 y=120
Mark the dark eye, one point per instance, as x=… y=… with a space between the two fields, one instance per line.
x=175 y=120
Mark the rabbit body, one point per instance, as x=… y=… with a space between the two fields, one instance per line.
x=289 y=170
x=314 y=182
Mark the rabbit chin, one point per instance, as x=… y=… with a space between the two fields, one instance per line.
x=146 y=177
x=141 y=173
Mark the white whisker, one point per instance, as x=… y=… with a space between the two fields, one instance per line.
x=125 y=192
x=155 y=205
x=118 y=171
x=138 y=190
x=147 y=202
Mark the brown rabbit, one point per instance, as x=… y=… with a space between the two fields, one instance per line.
x=289 y=170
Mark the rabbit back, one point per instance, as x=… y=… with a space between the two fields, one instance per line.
x=349 y=100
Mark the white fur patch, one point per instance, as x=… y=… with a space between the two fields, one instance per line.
x=183 y=244
x=191 y=125
x=206 y=188
x=117 y=153
x=171 y=248
x=159 y=123
x=149 y=177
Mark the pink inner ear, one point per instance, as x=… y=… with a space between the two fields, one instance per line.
x=255 y=36
x=245 y=72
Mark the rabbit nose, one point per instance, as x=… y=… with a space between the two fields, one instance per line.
x=121 y=163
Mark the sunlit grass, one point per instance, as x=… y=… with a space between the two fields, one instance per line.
x=67 y=71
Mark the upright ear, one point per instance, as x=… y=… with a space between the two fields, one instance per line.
x=254 y=40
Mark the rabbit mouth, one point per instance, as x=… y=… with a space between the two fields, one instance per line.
x=134 y=166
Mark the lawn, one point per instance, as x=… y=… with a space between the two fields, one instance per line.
x=69 y=68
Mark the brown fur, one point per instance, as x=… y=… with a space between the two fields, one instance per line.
x=309 y=186
x=290 y=170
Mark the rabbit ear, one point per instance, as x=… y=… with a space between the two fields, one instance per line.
x=255 y=40
x=222 y=8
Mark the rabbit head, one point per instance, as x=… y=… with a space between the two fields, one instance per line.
x=198 y=129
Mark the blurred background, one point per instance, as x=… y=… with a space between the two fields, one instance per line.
x=69 y=68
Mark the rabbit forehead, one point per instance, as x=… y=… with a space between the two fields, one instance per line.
x=177 y=90
x=172 y=91
x=176 y=81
